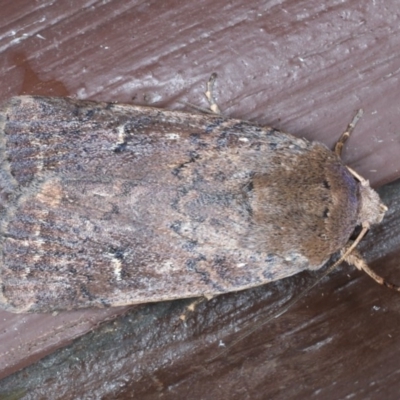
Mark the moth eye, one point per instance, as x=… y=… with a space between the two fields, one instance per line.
x=326 y=184
x=356 y=232
x=325 y=214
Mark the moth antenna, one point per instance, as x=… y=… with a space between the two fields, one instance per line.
x=344 y=257
x=346 y=134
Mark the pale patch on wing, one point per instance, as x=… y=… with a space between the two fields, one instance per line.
x=50 y=194
x=117 y=267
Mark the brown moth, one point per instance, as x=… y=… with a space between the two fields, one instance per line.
x=107 y=204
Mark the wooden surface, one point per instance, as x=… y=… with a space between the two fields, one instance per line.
x=301 y=66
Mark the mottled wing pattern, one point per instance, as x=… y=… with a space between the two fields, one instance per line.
x=105 y=204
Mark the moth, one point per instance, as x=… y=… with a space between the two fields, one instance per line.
x=105 y=204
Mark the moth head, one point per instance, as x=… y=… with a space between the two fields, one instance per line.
x=372 y=209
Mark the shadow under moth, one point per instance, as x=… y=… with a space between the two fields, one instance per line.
x=105 y=204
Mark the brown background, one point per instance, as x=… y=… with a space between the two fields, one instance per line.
x=301 y=66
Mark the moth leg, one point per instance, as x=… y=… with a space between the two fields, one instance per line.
x=192 y=306
x=346 y=134
x=357 y=261
x=362 y=180
x=210 y=94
